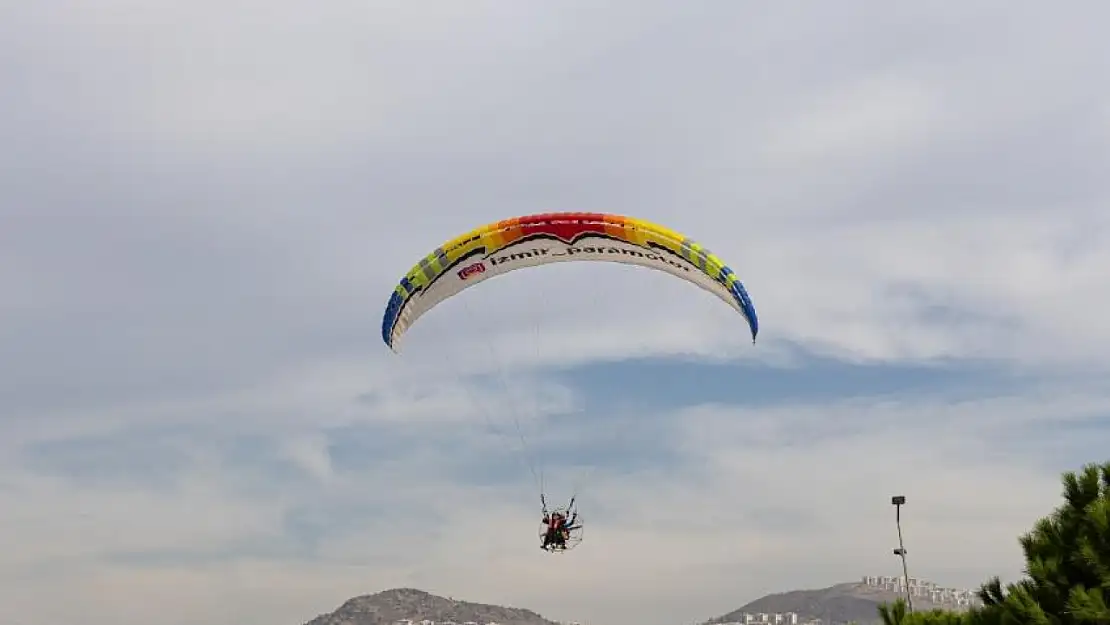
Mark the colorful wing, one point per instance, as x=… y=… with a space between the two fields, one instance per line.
x=520 y=242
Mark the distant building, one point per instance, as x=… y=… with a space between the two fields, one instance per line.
x=766 y=618
x=925 y=589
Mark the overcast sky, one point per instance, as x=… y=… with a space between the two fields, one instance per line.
x=205 y=205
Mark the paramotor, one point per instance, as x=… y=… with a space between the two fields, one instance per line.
x=530 y=241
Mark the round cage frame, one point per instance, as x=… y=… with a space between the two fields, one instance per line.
x=575 y=535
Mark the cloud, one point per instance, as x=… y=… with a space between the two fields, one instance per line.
x=882 y=116
x=745 y=500
x=204 y=208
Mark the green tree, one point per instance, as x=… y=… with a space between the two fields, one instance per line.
x=896 y=614
x=893 y=613
x=1067 y=561
x=1067 y=567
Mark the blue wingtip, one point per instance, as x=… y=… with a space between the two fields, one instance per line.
x=389 y=319
x=745 y=301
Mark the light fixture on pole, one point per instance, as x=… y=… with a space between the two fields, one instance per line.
x=898 y=501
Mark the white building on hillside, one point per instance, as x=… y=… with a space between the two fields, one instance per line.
x=765 y=618
x=915 y=587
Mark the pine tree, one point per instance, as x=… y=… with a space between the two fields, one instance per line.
x=1067 y=561
x=1067 y=566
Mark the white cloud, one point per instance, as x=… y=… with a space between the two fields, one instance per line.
x=767 y=499
x=310 y=453
x=882 y=117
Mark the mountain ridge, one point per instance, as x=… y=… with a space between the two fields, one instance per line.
x=846 y=602
x=838 y=604
x=410 y=604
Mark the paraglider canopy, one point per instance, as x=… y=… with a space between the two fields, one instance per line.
x=498 y=248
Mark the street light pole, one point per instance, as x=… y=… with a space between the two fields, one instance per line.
x=898 y=501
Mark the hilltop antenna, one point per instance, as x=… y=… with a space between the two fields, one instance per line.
x=898 y=501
